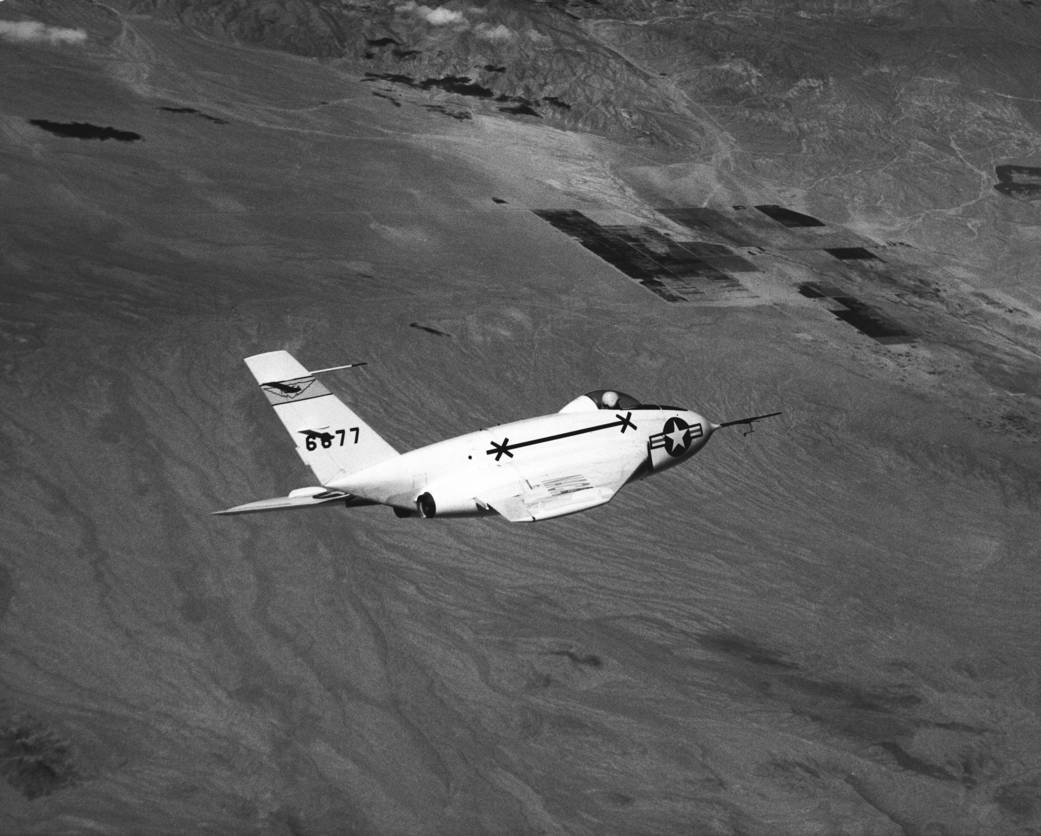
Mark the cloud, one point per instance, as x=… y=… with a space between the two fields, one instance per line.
x=444 y=16
x=498 y=33
x=32 y=31
x=441 y=16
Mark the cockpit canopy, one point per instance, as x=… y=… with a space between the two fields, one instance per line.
x=610 y=399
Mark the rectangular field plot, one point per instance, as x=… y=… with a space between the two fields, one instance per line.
x=866 y=319
x=788 y=217
x=771 y=227
x=714 y=223
x=707 y=270
x=852 y=253
x=677 y=271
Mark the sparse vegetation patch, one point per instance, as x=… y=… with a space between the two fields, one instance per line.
x=84 y=130
x=34 y=760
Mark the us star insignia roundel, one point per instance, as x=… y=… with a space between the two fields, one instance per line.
x=675 y=436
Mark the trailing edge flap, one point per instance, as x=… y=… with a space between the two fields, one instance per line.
x=509 y=506
x=532 y=507
x=301 y=499
x=570 y=503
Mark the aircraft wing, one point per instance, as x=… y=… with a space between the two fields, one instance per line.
x=537 y=496
x=518 y=508
x=303 y=498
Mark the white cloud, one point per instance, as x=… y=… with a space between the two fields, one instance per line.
x=494 y=33
x=441 y=16
x=32 y=31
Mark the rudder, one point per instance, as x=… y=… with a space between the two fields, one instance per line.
x=330 y=437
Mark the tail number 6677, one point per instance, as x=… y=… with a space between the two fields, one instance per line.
x=313 y=439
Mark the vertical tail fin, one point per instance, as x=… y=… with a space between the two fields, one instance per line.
x=329 y=436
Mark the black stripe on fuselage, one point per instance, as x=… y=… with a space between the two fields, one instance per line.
x=505 y=449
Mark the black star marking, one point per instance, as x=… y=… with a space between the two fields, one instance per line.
x=501 y=450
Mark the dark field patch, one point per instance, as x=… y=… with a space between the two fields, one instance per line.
x=586 y=660
x=788 y=217
x=556 y=102
x=712 y=221
x=1019 y=181
x=462 y=85
x=461 y=115
x=377 y=46
x=677 y=271
x=521 y=110
x=690 y=271
x=852 y=253
x=459 y=84
x=599 y=241
x=870 y=322
x=429 y=329
x=84 y=130
x=814 y=290
x=772 y=228
x=860 y=315
x=215 y=119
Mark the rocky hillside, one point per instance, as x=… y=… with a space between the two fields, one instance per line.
x=867 y=113
x=784 y=77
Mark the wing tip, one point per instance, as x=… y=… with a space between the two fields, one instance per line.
x=275 y=366
x=303 y=498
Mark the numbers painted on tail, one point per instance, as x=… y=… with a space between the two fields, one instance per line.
x=314 y=440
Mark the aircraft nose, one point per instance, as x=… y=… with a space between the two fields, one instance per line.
x=688 y=431
x=700 y=426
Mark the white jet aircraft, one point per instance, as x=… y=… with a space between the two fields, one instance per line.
x=527 y=470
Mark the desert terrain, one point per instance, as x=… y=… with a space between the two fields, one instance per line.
x=831 y=625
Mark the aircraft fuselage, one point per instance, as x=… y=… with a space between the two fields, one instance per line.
x=558 y=458
x=528 y=470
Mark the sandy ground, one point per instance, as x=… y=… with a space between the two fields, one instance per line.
x=829 y=626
